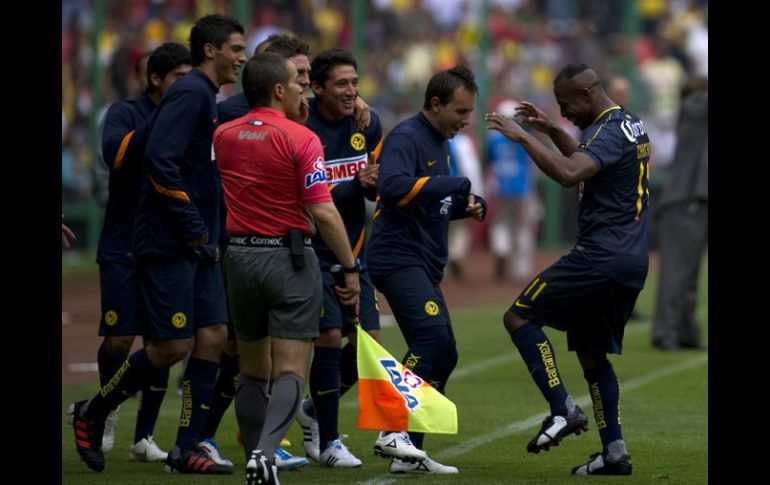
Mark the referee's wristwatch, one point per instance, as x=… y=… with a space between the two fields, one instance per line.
x=355 y=269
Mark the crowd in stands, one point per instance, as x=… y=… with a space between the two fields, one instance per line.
x=523 y=44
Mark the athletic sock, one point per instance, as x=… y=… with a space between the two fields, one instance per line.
x=537 y=352
x=133 y=375
x=348 y=368
x=605 y=394
x=197 y=390
x=108 y=364
x=149 y=405
x=325 y=391
x=250 y=410
x=224 y=392
x=281 y=407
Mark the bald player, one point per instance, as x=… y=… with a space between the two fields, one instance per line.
x=590 y=292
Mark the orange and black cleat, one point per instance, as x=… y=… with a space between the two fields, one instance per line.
x=88 y=438
x=194 y=461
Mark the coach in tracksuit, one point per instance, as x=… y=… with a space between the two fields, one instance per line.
x=408 y=248
x=352 y=177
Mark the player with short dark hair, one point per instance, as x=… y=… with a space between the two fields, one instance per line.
x=351 y=173
x=590 y=292
x=408 y=249
x=124 y=137
x=274 y=178
x=176 y=244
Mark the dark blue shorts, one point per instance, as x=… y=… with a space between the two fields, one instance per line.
x=334 y=315
x=180 y=296
x=122 y=309
x=572 y=296
x=414 y=300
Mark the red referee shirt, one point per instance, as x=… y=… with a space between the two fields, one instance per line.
x=271 y=169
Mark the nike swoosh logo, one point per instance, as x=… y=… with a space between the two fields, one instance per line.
x=158 y=389
x=431 y=163
x=205 y=408
x=328 y=391
x=517 y=303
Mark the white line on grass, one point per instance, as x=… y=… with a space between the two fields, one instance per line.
x=533 y=421
x=482 y=365
x=83 y=367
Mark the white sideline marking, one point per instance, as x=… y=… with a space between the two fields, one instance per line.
x=83 y=367
x=485 y=364
x=533 y=421
x=463 y=371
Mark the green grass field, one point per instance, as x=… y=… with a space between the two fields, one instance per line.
x=664 y=400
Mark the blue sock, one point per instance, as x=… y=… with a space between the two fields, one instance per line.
x=348 y=368
x=224 y=392
x=605 y=394
x=197 y=390
x=108 y=364
x=149 y=406
x=325 y=391
x=537 y=352
x=132 y=376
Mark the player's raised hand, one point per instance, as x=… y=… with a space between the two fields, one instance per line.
x=509 y=128
x=527 y=112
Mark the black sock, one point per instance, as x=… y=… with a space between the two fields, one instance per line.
x=133 y=375
x=537 y=352
x=197 y=389
x=348 y=368
x=149 y=406
x=224 y=392
x=281 y=407
x=325 y=391
x=605 y=394
x=250 y=410
x=108 y=364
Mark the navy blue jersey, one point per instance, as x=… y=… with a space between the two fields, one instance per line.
x=416 y=200
x=233 y=107
x=126 y=128
x=346 y=149
x=181 y=194
x=612 y=219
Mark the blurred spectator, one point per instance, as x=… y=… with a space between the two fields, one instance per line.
x=683 y=213
x=405 y=42
x=464 y=163
x=619 y=90
x=516 y=208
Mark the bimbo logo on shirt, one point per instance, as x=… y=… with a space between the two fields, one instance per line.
x=344 y=169
x=404 y=384
x=318 y=175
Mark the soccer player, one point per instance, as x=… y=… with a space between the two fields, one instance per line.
x=296 y=49
x=590 y=292
x=124 y=138
x=347 y=150
x=408 y=248
x=176 y=246
x=273 y=175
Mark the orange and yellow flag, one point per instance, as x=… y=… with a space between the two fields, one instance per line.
x=393 y=398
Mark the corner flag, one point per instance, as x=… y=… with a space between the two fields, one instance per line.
x=393 y=398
